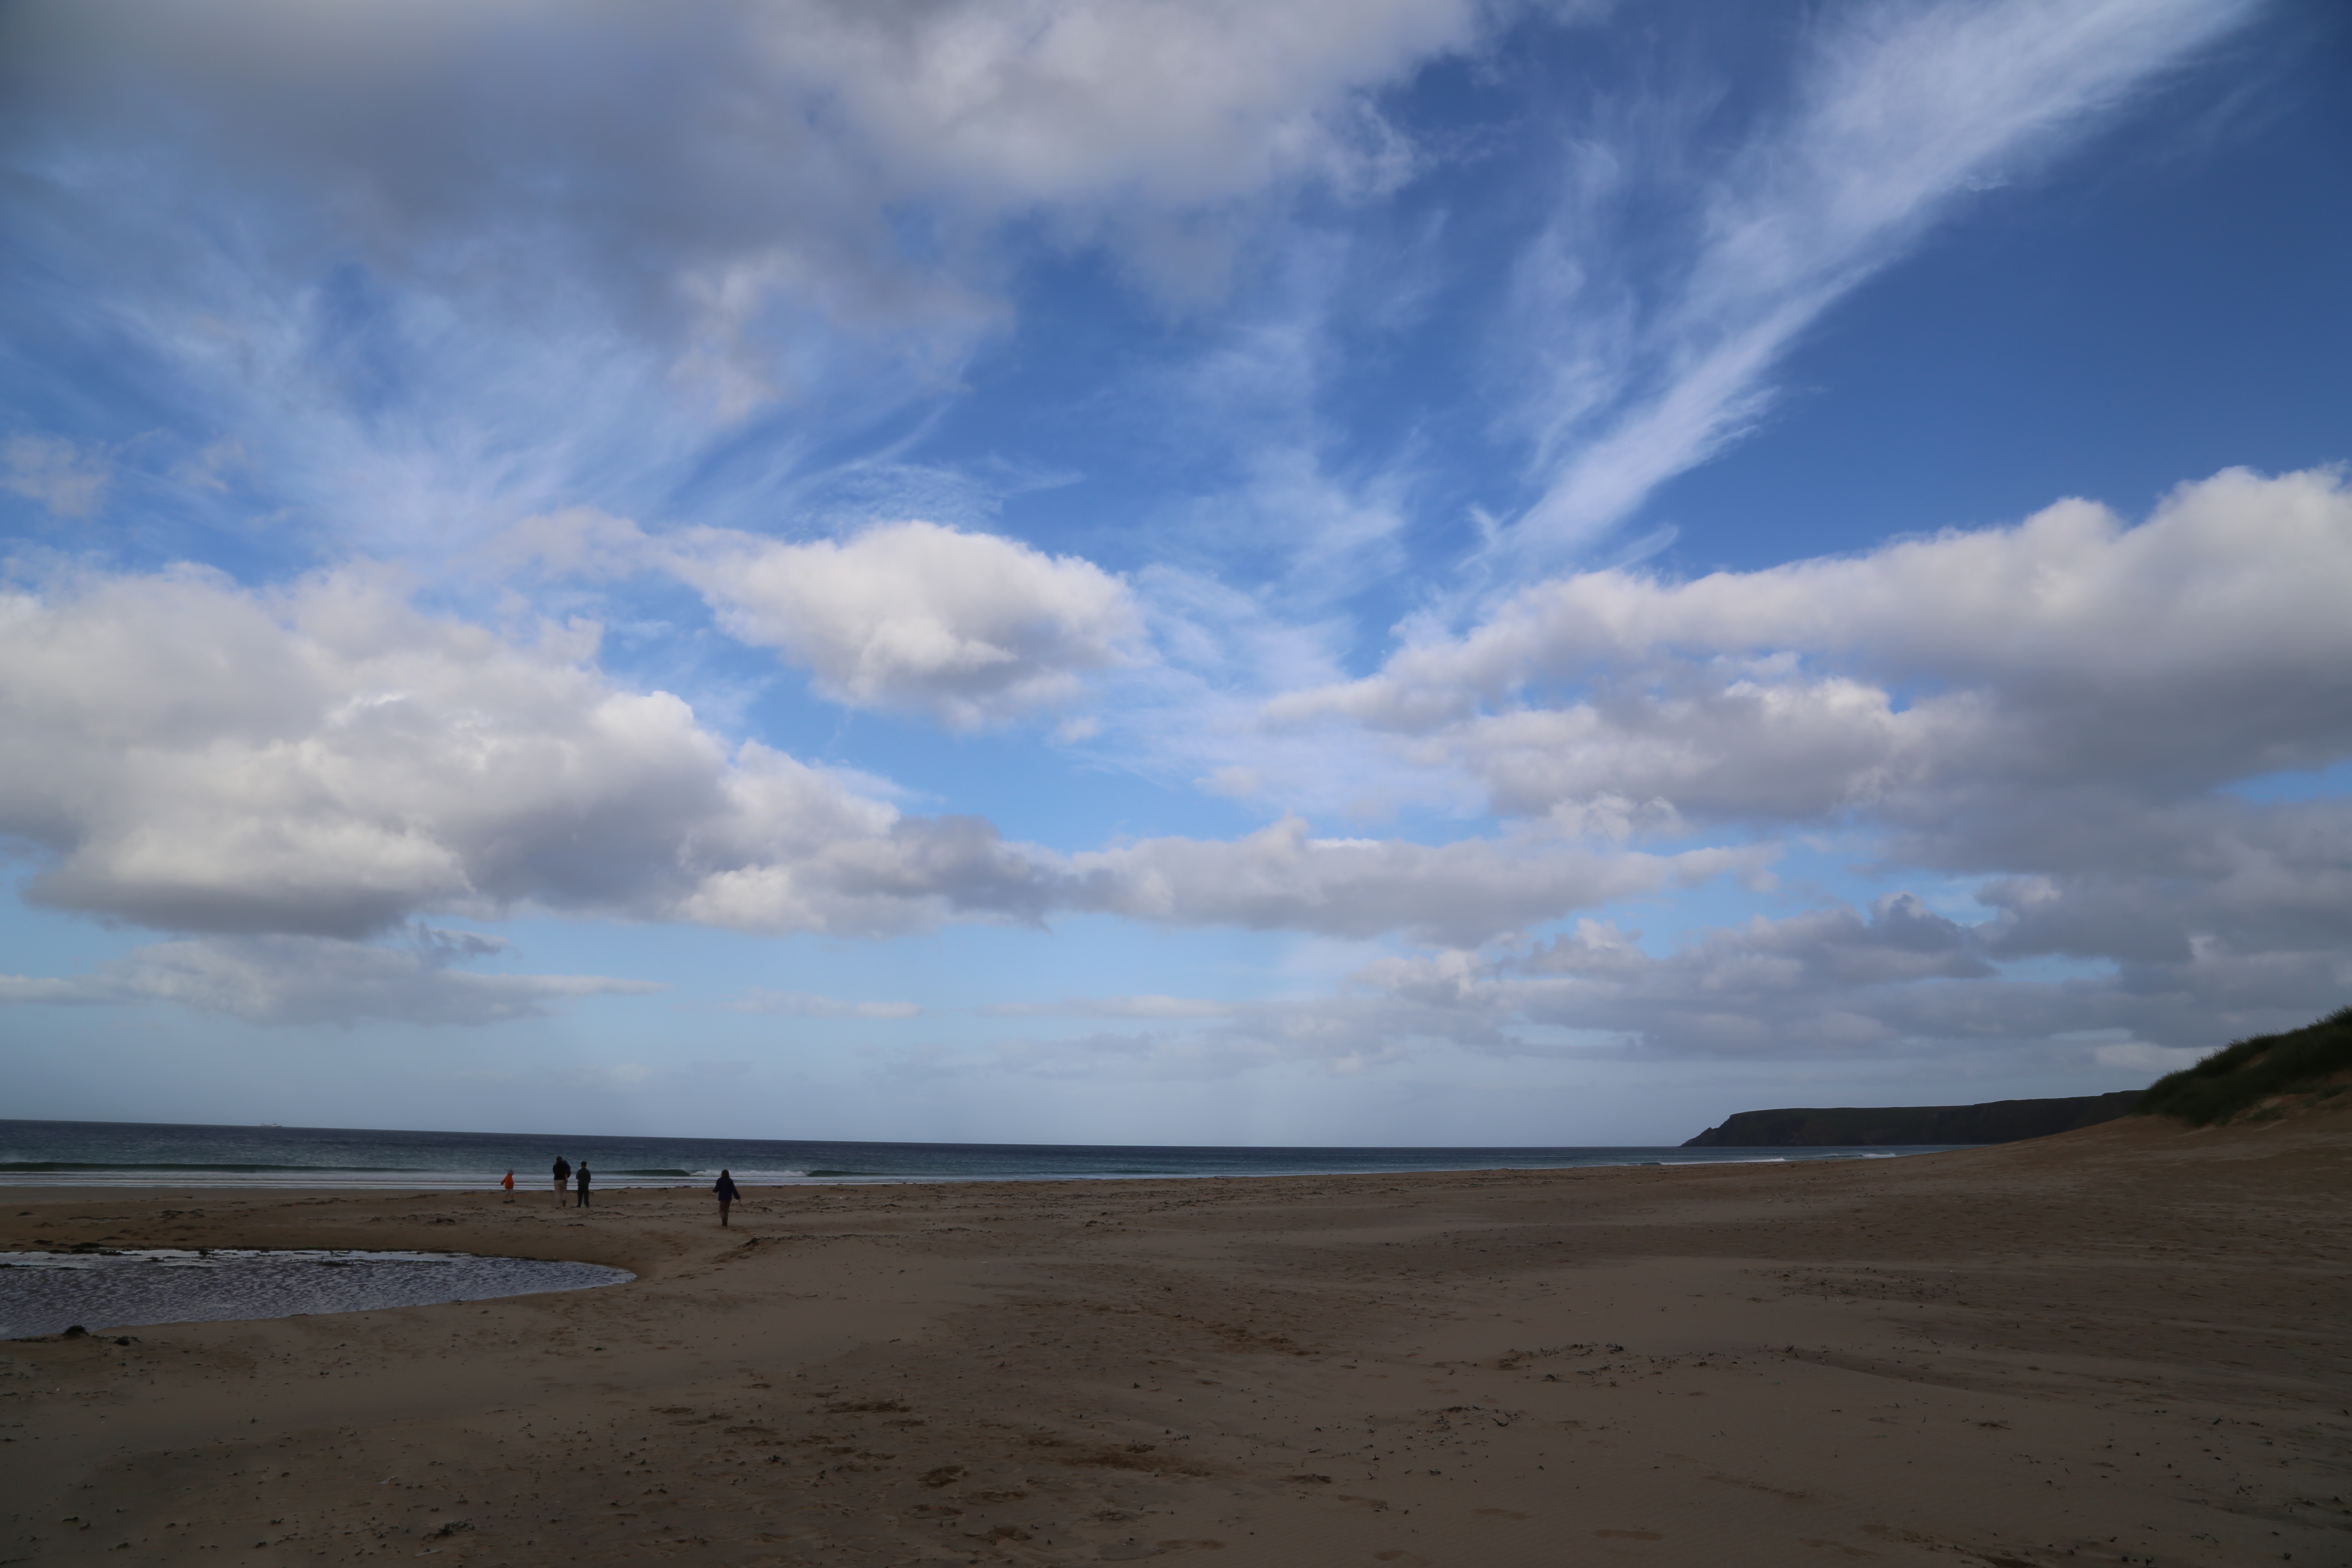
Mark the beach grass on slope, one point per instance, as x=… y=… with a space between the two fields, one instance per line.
x=2242 y=1076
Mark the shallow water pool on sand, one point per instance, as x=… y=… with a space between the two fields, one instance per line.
x=45 y=1292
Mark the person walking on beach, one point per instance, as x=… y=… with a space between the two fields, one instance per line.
x=562 y=1175
x=727 y=1193
x=583 y=1184
x=508 y=1183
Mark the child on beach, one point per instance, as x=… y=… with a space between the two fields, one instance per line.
x=508 y=1183
x=727 y=1193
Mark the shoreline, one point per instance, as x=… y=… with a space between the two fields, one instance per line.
x=166 y=1156
x=2014 y=1351
x=475 y=1182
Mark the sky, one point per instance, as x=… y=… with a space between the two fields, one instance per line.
x=1297 y=572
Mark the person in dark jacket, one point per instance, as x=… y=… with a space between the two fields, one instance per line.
x=727 y=1193
x=562 y=1175
x=582 y=1180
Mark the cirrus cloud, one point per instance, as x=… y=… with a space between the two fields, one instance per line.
x=726 y=185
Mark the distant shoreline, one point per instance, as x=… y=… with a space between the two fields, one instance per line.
x=443 y=1183
x=129 y=1156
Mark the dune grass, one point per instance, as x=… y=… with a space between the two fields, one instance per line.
x=2240 y=1076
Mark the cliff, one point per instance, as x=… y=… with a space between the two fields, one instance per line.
x=1997 y=1122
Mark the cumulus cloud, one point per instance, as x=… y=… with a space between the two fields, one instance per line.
x=283 y=773
x=312 y=980
x=2238 y=896
x=968 y=627
x=2061 y=708
x=328 y=761
x=2070 y=650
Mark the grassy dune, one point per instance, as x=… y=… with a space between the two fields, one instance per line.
x=2260 y=1078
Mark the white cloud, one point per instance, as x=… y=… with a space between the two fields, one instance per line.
x=803 y=1005
x=328 y=761
x=1459 y=894
x=2070 y=651
x=1056 y=100
x=276 y=771
x=2056 y=709
x=757 y=193
x=66 y=476
x=1897 y=109
x=311 y=980
x=968 y=627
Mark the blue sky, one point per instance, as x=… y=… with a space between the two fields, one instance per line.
x=1408 y=572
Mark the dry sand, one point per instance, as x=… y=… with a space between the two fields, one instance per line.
x=2121 y=1345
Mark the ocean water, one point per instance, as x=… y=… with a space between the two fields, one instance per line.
x=189 y=1157
x=47 y=1292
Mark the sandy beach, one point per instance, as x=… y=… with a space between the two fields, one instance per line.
x=2127 y=1344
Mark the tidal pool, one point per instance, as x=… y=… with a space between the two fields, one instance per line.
x=47 y=1292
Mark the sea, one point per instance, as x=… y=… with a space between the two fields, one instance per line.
x=187 y=1156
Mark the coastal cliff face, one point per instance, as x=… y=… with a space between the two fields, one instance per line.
x=1997 y=1122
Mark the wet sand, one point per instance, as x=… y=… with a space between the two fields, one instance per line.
x=2127 y=1344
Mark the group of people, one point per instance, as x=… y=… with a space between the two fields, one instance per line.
x=562 y=1170
x=725 y=1191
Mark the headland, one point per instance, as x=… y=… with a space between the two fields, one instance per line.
x=1994 y=1122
